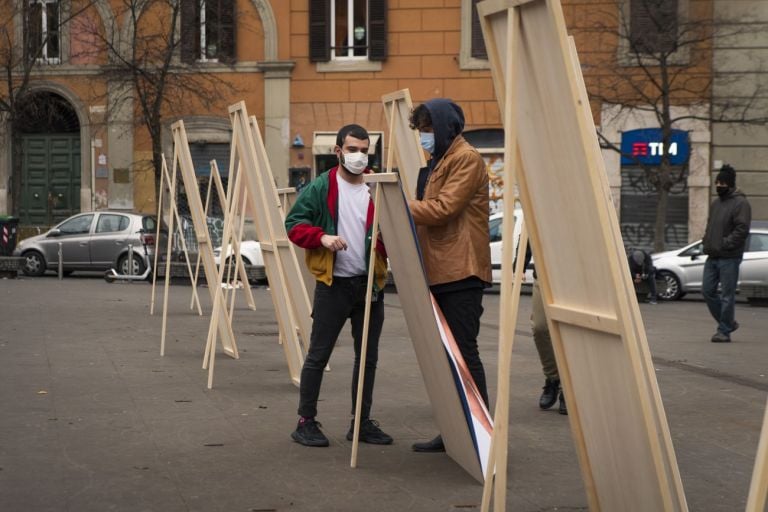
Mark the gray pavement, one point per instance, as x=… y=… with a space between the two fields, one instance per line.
x=93 y=419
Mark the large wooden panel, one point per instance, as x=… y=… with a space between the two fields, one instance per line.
x=615 y=410
x=405 y=141
x=459 y=411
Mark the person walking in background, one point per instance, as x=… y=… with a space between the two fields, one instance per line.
x=641 y=268
x=451 y=216
x=724 y=241
x=332 y=219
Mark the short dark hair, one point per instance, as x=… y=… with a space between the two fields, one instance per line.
x=420 y=117
x=354 y=130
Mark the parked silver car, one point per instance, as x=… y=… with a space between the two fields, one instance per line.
x=680 y=271
x=92 y=241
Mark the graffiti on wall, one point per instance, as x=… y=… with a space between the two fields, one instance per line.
x=639 y=201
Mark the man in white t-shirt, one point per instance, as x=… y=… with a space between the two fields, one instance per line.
x=332 y=220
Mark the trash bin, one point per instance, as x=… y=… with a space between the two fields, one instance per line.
x=8 y=228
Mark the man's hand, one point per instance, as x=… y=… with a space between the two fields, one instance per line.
x=333 y=243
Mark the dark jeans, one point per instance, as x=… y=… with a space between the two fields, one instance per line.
x=345 y=298
x=721 y=305
x=651 y=282
x=462 y=310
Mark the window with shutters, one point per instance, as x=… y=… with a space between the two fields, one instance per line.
x=347 y=34
x=653 y=26
x=472 y=54
x=208 y=31
x=42 y=27
x=650 y=28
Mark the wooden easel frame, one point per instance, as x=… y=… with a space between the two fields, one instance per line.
x=617 y=419
x=173 y=213
x=224 y=198
x=183 y=160
x=405 y=140
x=288 y=293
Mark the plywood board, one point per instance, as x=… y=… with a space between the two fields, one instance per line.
x=405 y=140
x=759 y=488
x=459 y=411
x=617 y=418
x=183 y=160
x=287 y=290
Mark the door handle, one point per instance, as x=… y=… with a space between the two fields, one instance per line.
x=83 y=244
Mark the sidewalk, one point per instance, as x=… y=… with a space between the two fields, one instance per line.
x=94 y=419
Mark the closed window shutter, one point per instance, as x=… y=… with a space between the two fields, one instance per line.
x=377 y=29
x=227 y=30
x=33 y=30
x=190 y=30
x=653 y=25
x=478 y=43
x=319 y=30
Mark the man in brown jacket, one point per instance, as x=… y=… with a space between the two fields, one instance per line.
x=451 y=216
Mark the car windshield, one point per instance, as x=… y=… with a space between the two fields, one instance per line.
x=693 y=250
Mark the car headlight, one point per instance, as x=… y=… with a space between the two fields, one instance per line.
x=20 y=244
x=217 y=252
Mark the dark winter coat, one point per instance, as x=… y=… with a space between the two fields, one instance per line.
x=728 y=226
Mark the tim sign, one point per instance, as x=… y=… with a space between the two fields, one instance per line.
x=645 y=146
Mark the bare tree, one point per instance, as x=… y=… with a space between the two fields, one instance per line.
x=661 y=58
x=26 y=46
x=147 y=67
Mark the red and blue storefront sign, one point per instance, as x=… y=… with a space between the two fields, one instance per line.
x=644 y=146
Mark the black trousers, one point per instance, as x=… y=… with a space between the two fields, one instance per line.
x=345 y=298
x=462 y=310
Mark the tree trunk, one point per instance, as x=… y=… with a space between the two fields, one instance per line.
x=661 y=220
x=157 y=162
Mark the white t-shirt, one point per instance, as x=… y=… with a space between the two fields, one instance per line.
x=353 y=211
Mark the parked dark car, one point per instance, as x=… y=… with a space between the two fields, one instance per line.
x=93 y=241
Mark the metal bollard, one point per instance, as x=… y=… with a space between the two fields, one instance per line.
x=130 y=261
x=61 y=261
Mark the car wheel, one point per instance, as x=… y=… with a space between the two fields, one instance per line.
x=668 y=286
x=138 y=265
x=34 y=264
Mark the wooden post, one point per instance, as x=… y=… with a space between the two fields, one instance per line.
x=759 y=488
x=368 y=294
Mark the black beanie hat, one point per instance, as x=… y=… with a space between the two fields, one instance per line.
x=727 y=175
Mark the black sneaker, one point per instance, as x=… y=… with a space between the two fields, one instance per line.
x=308 y=433
x=720 y=338
x=369 y=432
x=549 y=396
x=432 y=446
x=562 y=409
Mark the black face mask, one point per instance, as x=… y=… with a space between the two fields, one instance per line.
x=722 y=190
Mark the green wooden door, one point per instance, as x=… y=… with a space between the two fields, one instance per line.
x=50 y=178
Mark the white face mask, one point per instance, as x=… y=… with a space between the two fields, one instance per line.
x=354 y=162
x=427 y=141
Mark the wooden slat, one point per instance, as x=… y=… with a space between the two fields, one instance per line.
x=758 y=490
x=586 y=319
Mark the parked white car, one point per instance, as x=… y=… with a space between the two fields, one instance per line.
x=495 y=226
x=680 y=271
x=250 y=250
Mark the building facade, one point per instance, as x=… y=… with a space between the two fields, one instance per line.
x=304 y=68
